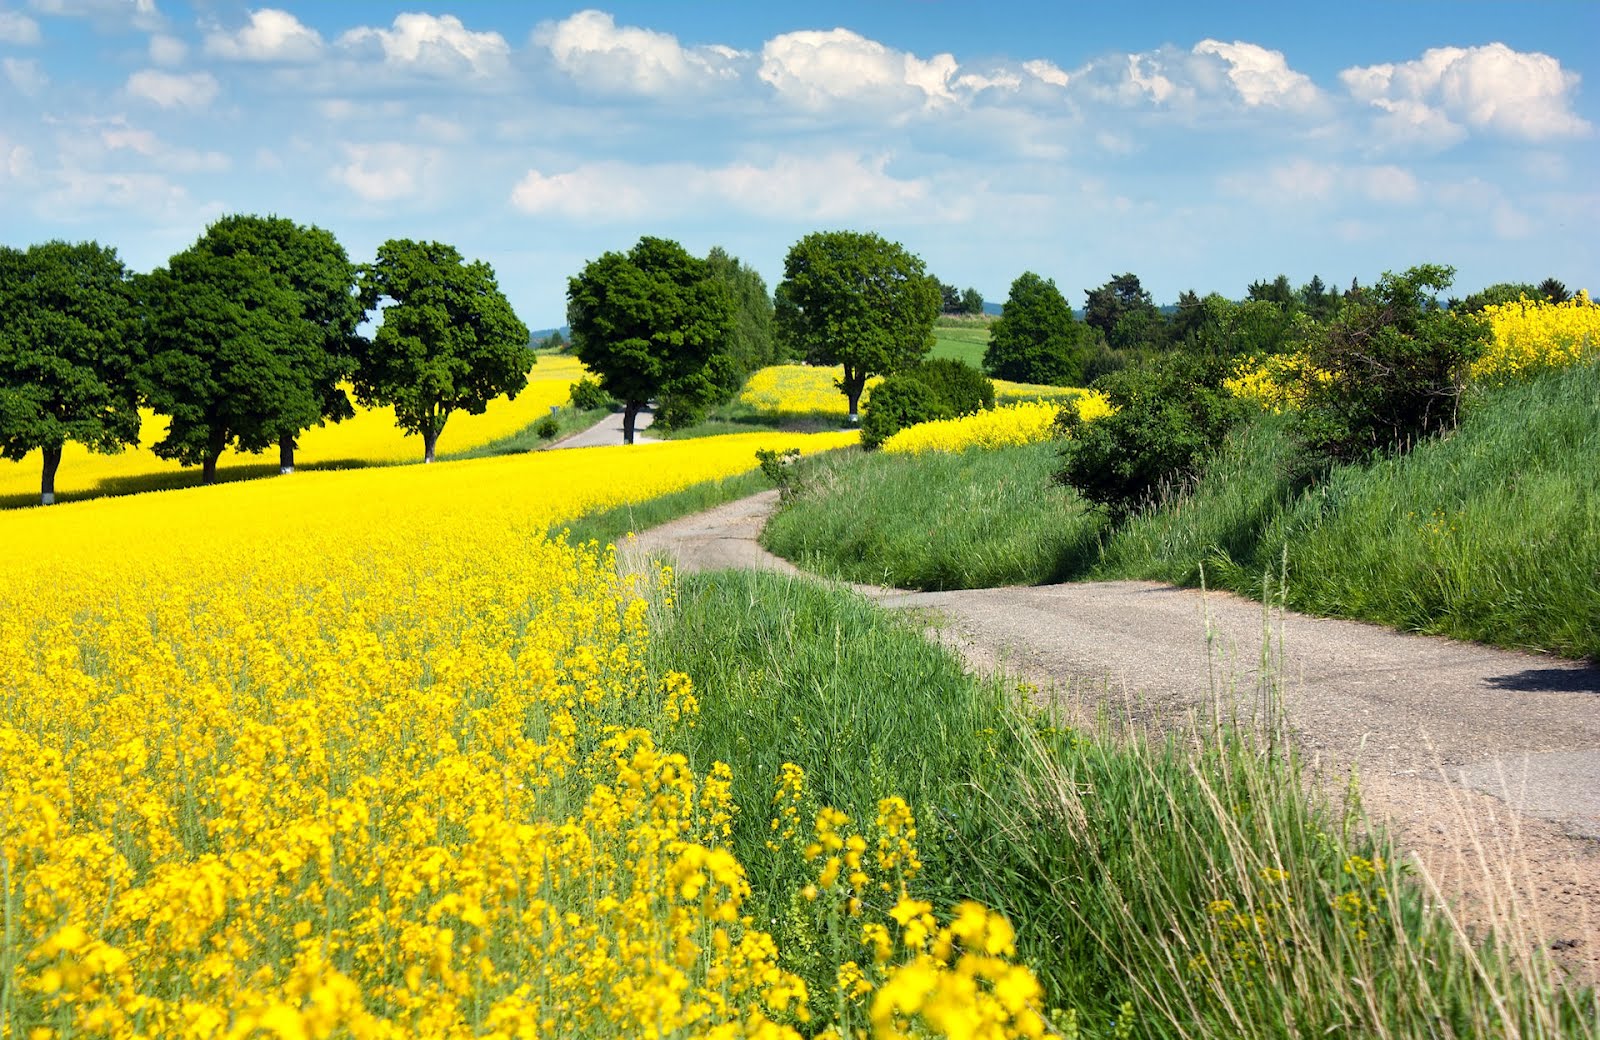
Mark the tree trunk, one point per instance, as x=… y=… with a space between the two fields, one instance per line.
x=47 y=481
x=630 y=412
x=430 y=438
x=286 y=453
x=208 y=470
x=852 y=384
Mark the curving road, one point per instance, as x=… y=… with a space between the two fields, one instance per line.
x=1463 y=749
x=608 y=431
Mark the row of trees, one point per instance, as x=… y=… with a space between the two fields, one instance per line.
x=246 y=339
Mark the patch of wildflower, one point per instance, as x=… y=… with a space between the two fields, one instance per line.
x=1534 y=336
x=1274 y=382
x=1245 y=937
x=1360 y=907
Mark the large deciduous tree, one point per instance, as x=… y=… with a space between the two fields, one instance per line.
x=66 y=358
x=227 y=353
x=1124 y=313
x=852 y=298
x=319 y=273
x=752 y=344
x=1035 y=339
x=449 y=340
x=651 y=322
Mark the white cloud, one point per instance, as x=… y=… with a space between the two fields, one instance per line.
x=1262 y=76
x=1046 y=72
x=76 y=193
x=435 y=45
x=120 y=137
x=15 y=160
x=18 y=28
x=172 y=90
x=816 y=70
x=387 y=172
x=167 y=50
x=271 y=35
x=25 y=75
x=1520 y=94
x=1299 y=181
x=591 y=48
x=834 y=186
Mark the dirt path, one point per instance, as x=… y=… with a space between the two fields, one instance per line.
x=1484 y=762
x=608 y=431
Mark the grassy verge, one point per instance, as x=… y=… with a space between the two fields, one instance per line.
x=1491 y=533
x=934 y=521
x=735 y=417
x=609 y=525
x=1201 y=888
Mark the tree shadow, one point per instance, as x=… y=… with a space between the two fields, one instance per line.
x=1574 y=678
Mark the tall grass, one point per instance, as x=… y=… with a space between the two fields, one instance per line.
x=1192 y=876
x=1490 y=533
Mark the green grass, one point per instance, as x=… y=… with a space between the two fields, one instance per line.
x=610 y=525
x=1491 y=533
x=934 y=521
x=966 y=344
x=736 y=417
x=1109 y=855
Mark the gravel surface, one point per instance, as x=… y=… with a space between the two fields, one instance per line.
x=609 y=431
x=1484 y=762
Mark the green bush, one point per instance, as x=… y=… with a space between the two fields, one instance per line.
x=1171 y=413
x=547 y=427
x=897 y=402
x=1396 y=365
x=587 y=395
x=962 y=388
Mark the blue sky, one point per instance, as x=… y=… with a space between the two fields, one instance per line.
x=1199 y=146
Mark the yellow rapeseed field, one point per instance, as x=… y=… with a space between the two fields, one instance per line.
x=1026 y=422
x=812 y=390
x=364 y=754
x=371 y=437
x=1532 y=336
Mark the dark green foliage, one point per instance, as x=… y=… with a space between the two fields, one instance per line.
x=1036 y=339
x=962 y=388
x=753 y=343
x=66 y=353
x=949 y=299
x=227 y=355
x=1319 y=300
x=1397 y=363
x=1124 y=314
x=1276 y=291
x=588 y=395
x=1171 y=413
x=778 y=467
x=547 y=427
x=319 y=273
x=1554 y=290
x=652 y=323
x=1497 y=294
x=971 y=302
x=851 y=298
x=897 y=402
x=449 y=340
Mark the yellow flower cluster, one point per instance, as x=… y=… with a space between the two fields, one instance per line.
x=814 y=390
x=370 y=437
x=1276 y=382
x=1026 y=422
x=366 y=754
x=1531 y=336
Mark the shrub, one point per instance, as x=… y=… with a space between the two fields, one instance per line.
x=547 y=427
x=1396 y=364
x=897 y=402
x=1170 y=412
x=587 y=395
x=962 y=388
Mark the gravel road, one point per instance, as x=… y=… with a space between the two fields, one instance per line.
x=1484 y=762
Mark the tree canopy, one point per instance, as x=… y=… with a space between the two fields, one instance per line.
x=449 y=340
x=852 y=298
x=651 y=322
x=316 y=269
x=1123 y=312
x=1036 y=339
x=66 y=353
x=752 y=343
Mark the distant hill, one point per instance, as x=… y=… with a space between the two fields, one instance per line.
x=541 y=334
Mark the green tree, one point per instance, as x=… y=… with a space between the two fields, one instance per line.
x=1397 y=364
x=1036 y=339
x=949 y=298
x=316 y=269
x=650 y=323
x=1123 y=312
x=971 y=302
x=1554 y=290
x=1276 y=291
x=852 y=298
x=449 y=340
x=752 y=343
x=1318 y=299
x=66 y=354
x=1495 y=295
x=225 y=356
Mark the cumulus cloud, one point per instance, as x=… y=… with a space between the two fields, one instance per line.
x=591 y=48
x=1494 y=88
x=270 y=35
x=24 y=75
x=16 y=27
x=816 y=70
x=1046 y=72
x=438 y=45
x=834 y=186
x=387 y=172
x=173 y=90
x=141 y=14
x=1262 y=76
